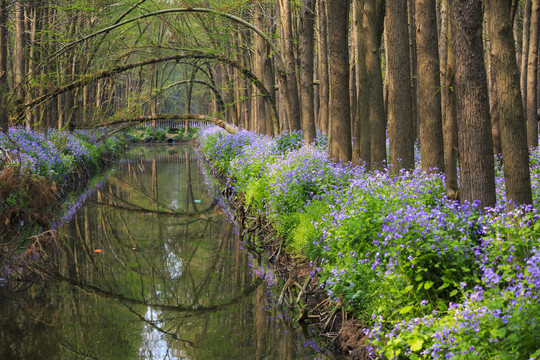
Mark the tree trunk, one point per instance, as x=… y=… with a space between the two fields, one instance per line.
x=507 y=87
x=259 y=59
x=323 y=66
x=362 y=134
x=20 y=52
x=532 y=77
x=525 y=47
x=339 y=144
x=292 y=102
x=413 y=50
x=429 y=96
x=400 y=124
x=306 y=71
x=373 y=25
x=472 y=108
x=449 y=105
x=4 y=88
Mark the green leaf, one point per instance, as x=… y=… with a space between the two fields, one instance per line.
x=416 y=344
x=428 y=285
x=453 y=293
x=406 y=309
x=443 y=286
x=498 y=333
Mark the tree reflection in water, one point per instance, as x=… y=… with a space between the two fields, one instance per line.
x=170 y=281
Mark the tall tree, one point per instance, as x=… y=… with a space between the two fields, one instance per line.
x=429 y=95
x=448 y=99
x=507 y=87
x=400 y=124
x=323 y=65
x=339 y=144
x=20 y=52
x=532 y=77
x=472 y=109
x=373 y=26
x=290 y=95
x=362 y=129
x=4 y=88
x=306 y=71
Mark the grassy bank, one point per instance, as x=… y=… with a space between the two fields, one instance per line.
x=428 y=277
x=36 y=169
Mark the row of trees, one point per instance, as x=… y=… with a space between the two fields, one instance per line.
x=459 y=76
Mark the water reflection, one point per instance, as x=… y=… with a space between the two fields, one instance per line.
x=151 y=269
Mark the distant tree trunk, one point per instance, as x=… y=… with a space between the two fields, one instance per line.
x=323 y=66
x=429 y=95
x=413 y=50
x=292 y=101
x=525 y=48
x=373 y=26
x=306 y=71
x=507 y=86
x=339 y=145
x=400 y=124
x=259 y=59
x=362 y=135
x=269 y=81
x=4 y=122
x=449 y=105
x=474 y=128
x=532 y=77
x=20 y=52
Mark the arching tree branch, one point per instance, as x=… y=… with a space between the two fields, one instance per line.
x=141 y=119
x=89 y=79
x=275 y=50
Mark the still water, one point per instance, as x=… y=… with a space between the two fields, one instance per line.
x=150 y=268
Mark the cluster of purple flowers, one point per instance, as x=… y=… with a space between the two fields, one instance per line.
x=441 y=280
x=55 y=153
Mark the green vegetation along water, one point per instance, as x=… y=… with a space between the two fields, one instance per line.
x=150 y=268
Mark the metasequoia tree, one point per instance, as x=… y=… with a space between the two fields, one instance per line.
x=372 y=28
x=4 y=88
x=400 y=125
x=306 y=71
x=532 y=77
x=429 y=95
x=339 y=143
x=472 y=110
x=507 y=86
x=448 y=103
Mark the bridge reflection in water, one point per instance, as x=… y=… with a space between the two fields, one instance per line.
x=150 y=269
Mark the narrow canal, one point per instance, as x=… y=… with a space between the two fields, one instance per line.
x=150 y=268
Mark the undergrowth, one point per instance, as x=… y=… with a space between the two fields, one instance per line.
x=429 y=277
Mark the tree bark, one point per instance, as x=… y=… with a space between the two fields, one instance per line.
x=449 y=105
x=373 y=26
x=525 y=48
x=429 y=95
x=20 y=52
x=306 y=71
x=400 y=124
x=259 y=59
x=4 y=88
x=362 y=134
x=339 y=144
x=290 y=88
x=532 y=77
x=507 y=87
x=323 y=66
x=472 y=109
